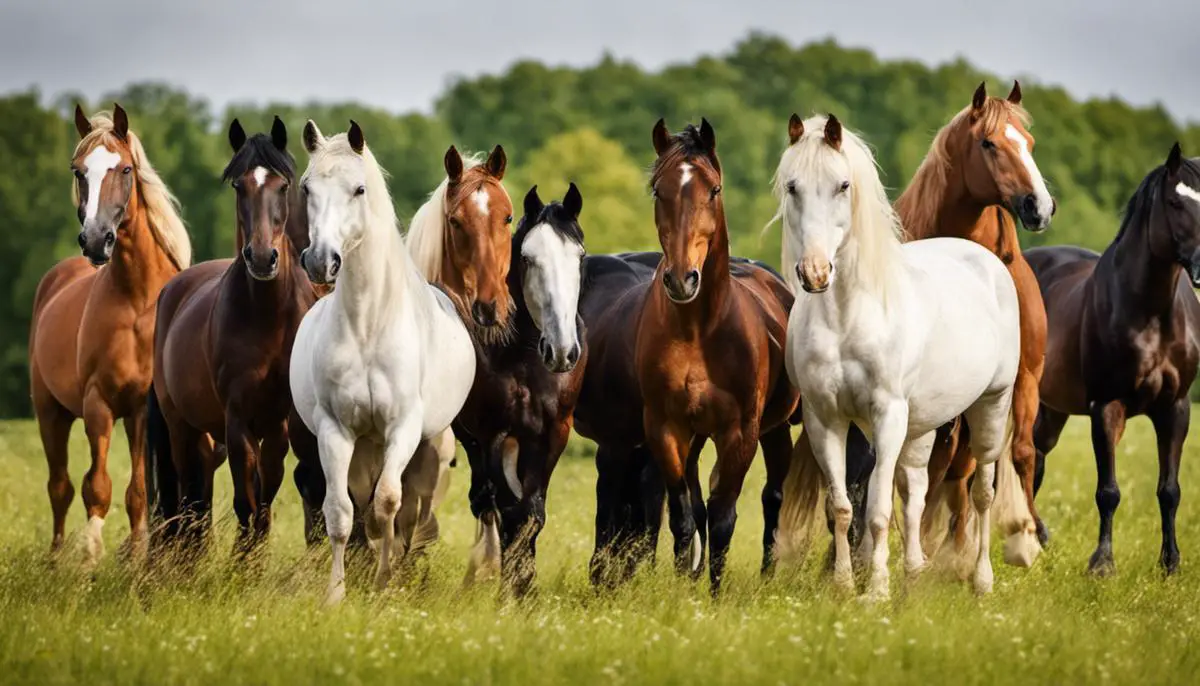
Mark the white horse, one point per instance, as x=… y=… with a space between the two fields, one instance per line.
x=380 y=364
x=898 y=338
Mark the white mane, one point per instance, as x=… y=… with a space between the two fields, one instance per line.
x=426 y=233
x=872 y=251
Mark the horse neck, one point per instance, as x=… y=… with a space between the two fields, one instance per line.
x=140 y=267
x=955 y=213
x=372 y=278
x=1145 y=281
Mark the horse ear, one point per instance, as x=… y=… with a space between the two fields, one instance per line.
x=237 y=135
x=1175 y=159
x=454 y=165
x=661 y=137
x=82 y=125
x=497 y=162
x=980 y=96
x=833 y=132
x=533 y=204
x=312 y=136
x=1014 y=95
x=573 y=200
x=120 y=121
x=708 y=136
x=795 y=128
x=279 y=134
x=355 y=136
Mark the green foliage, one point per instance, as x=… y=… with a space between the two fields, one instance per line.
x=590 y=125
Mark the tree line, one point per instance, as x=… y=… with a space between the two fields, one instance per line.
x=589 y=125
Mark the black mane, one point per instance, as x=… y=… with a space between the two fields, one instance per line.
x=1148 y=192
x=558 y=217
x=259 y=151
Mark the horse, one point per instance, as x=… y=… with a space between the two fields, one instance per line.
x=979 y=173
x=1122 y=340
x=899 y=338
x=93 y=321
x=378 y=365
x=222 y=348
x=517 y=418
x=707 y=355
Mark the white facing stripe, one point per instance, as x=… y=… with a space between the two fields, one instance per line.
x=1044 y=201
x=481 y=200
x=686 y=170
x=99 y=162
x=1187 y=191
x=260 y=176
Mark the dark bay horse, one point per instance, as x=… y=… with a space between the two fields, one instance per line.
x=1122 y=339
x=223 y=343
x=979 y=169
x=515 y=423
x=702 y=342
x=92 y=333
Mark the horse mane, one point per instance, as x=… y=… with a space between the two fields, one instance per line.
x=426 y=233
x=875 y=227
x=920 y=203
x=686 y=146
x=162 y=208
x=260 y=151
x=1147 y=194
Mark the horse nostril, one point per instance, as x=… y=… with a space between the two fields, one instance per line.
x=692 y=278
x=246 y=254
x=573 y=355
x=274 y=258
x=544 y=350
x=1029 y=204
x=667 y=279
x=303 y=258
x=82 y=240
x=337 y=265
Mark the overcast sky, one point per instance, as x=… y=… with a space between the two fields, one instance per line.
x=399 y=53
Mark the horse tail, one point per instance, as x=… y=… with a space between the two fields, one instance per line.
x=802 y=501
x=1011 y=513
x=162 y=483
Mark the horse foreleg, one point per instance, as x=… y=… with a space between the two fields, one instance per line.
x=54 y=425
x=336 y=447
x=890 y=424
x=669 y=443
x=914 y=460
x=401 y=445
x=1171 y=428
x=777 y=455
x=828 y=441
x=1024 y=413
x=735 y=452
x=135 y=493
x=97 y=486
x=270 y=476
x=309 y=480
x=243 y=466
x=1108 y=423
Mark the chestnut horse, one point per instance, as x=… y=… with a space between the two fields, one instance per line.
x=93 y=320
x=978 y=170
x=1123 y=339
x=223 y=346
x=515 y=423
x=707 y=354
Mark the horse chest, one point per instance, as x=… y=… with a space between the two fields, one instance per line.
x=688 y=389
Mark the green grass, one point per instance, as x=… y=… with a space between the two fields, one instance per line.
x=263 y=624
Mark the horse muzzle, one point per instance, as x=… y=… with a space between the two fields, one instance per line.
x=557 y=358
x=682 y=291
x=814 y=275
x=97 y=245
x=322 y=266
x=1030 y=212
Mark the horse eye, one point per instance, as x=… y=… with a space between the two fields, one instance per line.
x=126 y=170
x=284 y=189
x=78 y=174
x=987 y=144
x=236 y=184
x=304 y=188
x=360 y=190
x=791 y=187
x=844 y=187
x=508 y=219
x=653 y=192
x=716 y=190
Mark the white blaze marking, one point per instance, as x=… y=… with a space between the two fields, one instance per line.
x=1187 y=191
x=260 y=176
x=1044 y=202
x=685 y=170
x=481 y=201
x=556 y=259
x=99 y=162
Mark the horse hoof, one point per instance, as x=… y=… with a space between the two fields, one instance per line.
x=1169 y=562
x=335 y=595
x=983 y=586
x=1102 y=565
x=1021 y=550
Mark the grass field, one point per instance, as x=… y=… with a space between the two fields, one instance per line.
x=262 y=623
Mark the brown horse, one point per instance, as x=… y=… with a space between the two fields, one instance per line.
x=979 y=169
x=709 y=349
x=1123 y=339
x=93 y=320
x=223 y=343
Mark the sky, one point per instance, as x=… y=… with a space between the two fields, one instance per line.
x=399 y=54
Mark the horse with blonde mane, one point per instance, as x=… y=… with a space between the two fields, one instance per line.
x=92 y=334
x=980 y=169
x=380 y=365
x=898 y=338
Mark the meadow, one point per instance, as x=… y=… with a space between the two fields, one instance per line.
x=262 y=622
